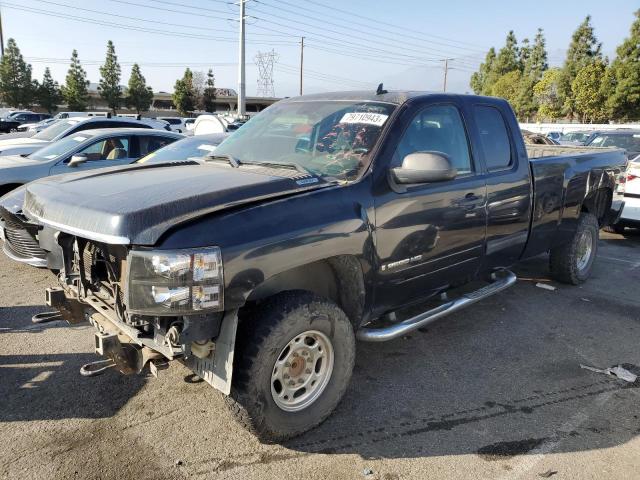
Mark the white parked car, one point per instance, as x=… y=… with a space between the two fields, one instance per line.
x=630 y=216
x=177 y=124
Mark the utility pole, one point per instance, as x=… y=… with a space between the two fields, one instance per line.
x=446 y=72
x=1 y=39
x=241 y=66
x=301 y=61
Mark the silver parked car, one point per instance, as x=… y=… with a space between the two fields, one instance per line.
x=84 y=150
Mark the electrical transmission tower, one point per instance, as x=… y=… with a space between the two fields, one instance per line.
x=265 y=62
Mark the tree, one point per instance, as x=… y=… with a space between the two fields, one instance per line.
x=49 y=95
x=507 y=87
x=480 y=79
x=547 y=95
x=588 y=92
x=583 y=50
x=17 y=89
x=109 y=86
x=508 y=58
x=139 y=95
x=184 y=95
x=207 y=101
x=624 y=99
x=74 y=90
x=534 y=64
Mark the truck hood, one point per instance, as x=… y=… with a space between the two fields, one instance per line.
x=137 y=204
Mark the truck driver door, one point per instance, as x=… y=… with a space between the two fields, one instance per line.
x=432 y=234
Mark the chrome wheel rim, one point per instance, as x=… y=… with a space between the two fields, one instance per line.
x=584 y=249
x=302 y=371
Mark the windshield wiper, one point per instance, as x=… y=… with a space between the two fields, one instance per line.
x=234 y=162
x=290 y=166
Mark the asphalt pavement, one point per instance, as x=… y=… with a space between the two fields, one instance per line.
x=492 y=392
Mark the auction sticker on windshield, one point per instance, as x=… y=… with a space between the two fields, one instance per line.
x=367 y=118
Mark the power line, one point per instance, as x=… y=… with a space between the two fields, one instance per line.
x=134 y=28
x=157 y=22
x=404 y=40
x=403 y=28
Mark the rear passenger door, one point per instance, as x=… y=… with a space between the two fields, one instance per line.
x=509 y=188
x=430 y=235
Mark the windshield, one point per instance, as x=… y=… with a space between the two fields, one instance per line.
x=329 y=139
x=575 y=137
x=58 y=148
x=55 y=129
x=629 y=142
x=185 y=149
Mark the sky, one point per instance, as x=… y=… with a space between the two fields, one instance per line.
x=349 y=44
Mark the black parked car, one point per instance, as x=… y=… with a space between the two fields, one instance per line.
x=628 y=140
x=11 y=122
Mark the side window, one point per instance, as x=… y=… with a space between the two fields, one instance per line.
x=437 y=128
x=151 y=143
x=494 y=137
x=113 y=148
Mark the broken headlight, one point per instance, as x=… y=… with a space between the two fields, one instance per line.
x=174 y=282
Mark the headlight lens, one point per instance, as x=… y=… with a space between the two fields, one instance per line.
x=175 y=282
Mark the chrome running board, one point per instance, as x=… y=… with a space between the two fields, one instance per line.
x=499 y=282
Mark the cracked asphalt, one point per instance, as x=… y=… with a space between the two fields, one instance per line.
x=493 y=392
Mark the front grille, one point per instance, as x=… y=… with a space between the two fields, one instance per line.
x=18 y=240
x=21 y=243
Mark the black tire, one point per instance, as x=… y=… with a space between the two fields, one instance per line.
x=617 y=228
x=260 y=340
x=564 y=260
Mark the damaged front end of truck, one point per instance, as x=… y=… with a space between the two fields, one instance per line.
x=148 y=307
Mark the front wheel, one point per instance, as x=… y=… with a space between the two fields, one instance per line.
x=294 y=359
x=572 y=262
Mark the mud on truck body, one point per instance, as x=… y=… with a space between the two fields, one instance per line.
x=320 y=221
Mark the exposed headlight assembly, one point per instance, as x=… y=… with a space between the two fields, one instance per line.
x=174 y=282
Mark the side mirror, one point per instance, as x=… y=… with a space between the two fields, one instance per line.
x=77 y=160
x=303 y=145
x=424 y=167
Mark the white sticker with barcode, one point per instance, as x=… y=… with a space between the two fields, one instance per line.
x=366 y=118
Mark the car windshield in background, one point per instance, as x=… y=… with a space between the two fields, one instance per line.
x=182 y=150
x=575 y=137
x=58 y=148
x=55 y=129
x=630 y=142
x=327 y=138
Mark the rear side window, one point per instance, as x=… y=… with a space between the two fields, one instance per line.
x=152 y=143
x=494 y=137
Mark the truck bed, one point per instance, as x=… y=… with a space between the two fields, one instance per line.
x=542 y=151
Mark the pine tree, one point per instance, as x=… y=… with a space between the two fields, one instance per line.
x=508 y=58
x=207 y=102
x=49 y=95
x=184 y=96
x=583 y=50
x=480 y=79
x=534 y=64
x=507 y=87
x=139 y=95
x=17 y=89
x=624 y=101
x=547 y=95
x=588 y=93
x=75 y=91
x=109 y=86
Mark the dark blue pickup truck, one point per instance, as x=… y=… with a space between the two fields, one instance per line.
x=324 y=219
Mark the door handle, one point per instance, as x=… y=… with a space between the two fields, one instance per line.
x=472 y=197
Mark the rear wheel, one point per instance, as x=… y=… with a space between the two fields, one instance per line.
x=293 y=363
x=572 y=262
